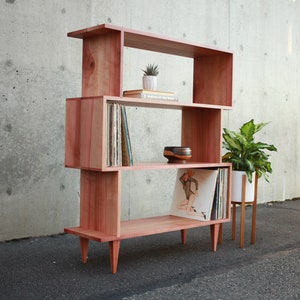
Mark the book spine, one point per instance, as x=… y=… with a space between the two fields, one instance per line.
x=127 y=159
x=114 y=137
x=219 y=210
x=157 y=97
x=109 y=135
x=119 y=152
x=225 y=192
x=119 y=135
x=152 y=96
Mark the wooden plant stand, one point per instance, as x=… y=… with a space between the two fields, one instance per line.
x=242 y=217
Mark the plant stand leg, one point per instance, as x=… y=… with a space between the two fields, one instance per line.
x=114 y=247
x=233 y=225
x=183 y=236
x=243 y=206
x=214 y=233
x=253 y=229
x=84 y=245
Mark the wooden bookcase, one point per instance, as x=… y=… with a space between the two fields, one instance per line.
x=86 y=129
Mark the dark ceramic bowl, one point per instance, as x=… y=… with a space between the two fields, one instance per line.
x=177 y=155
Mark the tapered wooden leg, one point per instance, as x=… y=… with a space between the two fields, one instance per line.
x=214 y=233
x=253 y=230
x=183 y=235
x=220 y=234
x=233 y=225
x=84 y=245
x=243 y=206
x=114 y=247
x=242 y=225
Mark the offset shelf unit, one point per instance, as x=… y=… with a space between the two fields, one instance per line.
x=86 y=132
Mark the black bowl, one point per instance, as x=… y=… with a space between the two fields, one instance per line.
x=177 y=155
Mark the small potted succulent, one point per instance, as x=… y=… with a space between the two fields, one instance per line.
x=247 y=157
x=150 y=77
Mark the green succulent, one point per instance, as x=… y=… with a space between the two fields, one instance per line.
x=151 y=70
x=244 y=153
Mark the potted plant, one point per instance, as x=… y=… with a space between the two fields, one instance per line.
x=150 y=77
x=247 y=157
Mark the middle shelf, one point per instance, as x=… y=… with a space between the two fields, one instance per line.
x=160 y=166
x=86 y=132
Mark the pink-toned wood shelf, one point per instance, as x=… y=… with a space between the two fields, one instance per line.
x=86 y=132
x=149 y=41
x=212 y=66
x=165 y=165
x=144 y=227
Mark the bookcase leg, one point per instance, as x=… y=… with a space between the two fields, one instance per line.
x=84 y=245
x=114 y=247
x=214 y=233
x=220 y=239
x=183 y=236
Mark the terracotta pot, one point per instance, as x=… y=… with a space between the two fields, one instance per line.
x=149 y=82
x=237 y=187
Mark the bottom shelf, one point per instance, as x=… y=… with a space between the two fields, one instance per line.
x=143 y=227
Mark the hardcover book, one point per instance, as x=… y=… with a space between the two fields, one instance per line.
x=150 y=94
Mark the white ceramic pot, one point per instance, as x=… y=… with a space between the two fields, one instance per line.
x=237 y=187
x=150 y=82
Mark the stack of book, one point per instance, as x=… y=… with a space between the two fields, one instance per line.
x=119 y=152
x=150 y=94
x=219 y=209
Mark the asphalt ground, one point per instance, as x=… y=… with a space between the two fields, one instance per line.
x=160 y=267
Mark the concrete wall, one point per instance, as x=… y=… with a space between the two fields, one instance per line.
x=40 y=67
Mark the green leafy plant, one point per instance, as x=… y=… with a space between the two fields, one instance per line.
x=151 y=70
x=244 y=153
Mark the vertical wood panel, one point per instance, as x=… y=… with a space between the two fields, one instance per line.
x=101 y=65
x=201 y=130
x=100 y=201
x=91 y=133
x=72 y=133
x=213 y=79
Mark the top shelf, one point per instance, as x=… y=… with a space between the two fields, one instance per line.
x=164 y=104
x=103 y=53
x=152 y=42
